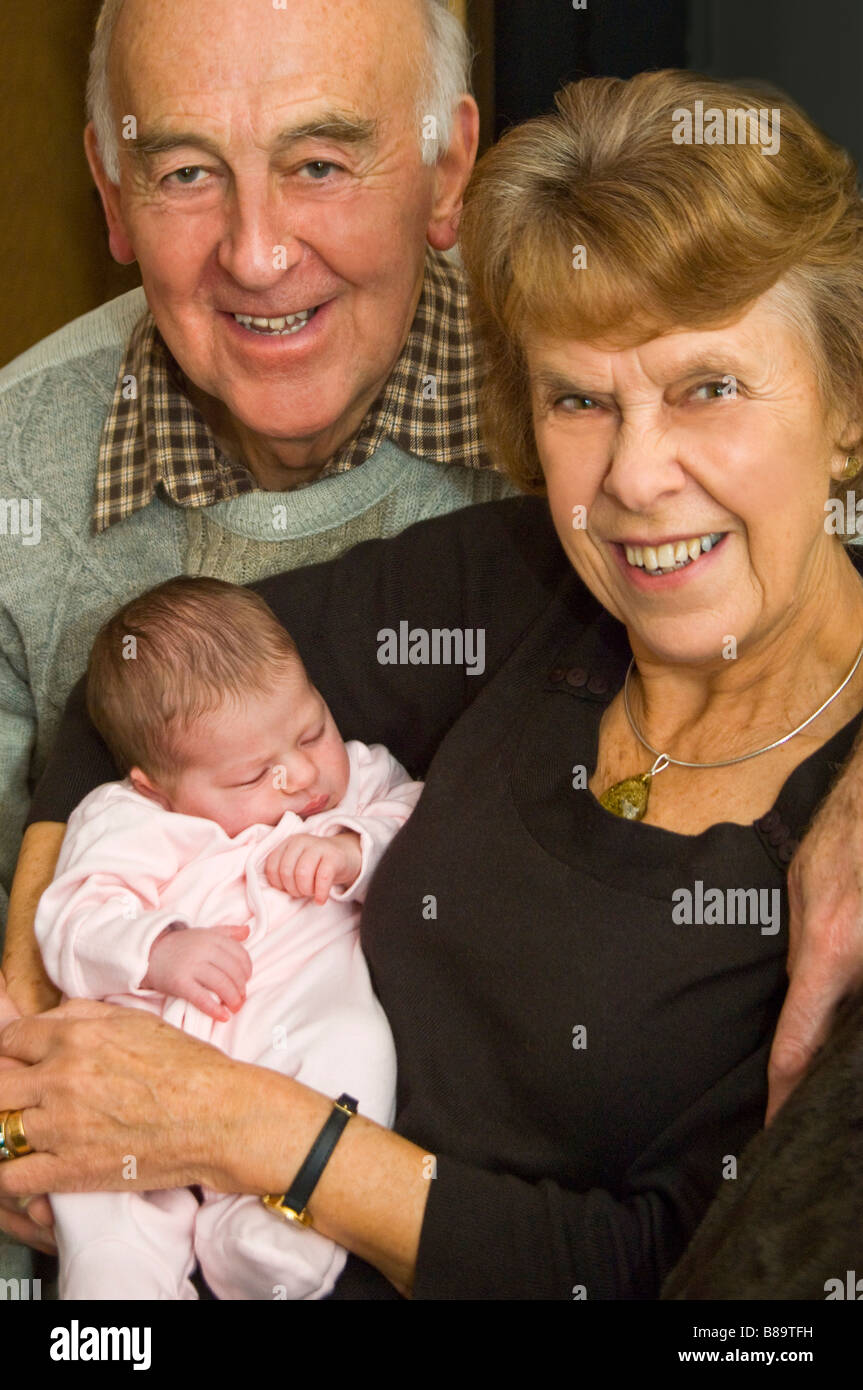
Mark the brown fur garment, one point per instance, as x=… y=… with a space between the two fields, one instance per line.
x=793 y=1218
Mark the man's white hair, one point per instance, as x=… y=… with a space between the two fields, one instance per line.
x=445 y=77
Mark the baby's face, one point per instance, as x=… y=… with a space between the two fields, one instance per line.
x=249 y=763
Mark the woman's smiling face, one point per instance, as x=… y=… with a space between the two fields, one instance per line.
x=693 y=434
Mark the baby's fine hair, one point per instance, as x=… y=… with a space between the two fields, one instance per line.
x=176 y=653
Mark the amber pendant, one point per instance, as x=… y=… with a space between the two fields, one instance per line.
x=629 y=798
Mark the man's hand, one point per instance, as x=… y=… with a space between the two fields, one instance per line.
x=307 y=866
x=206 y=965
x=26 y=978
x=28 y=1219
x=825 y=950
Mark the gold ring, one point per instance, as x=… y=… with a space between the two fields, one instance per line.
x=13 y=1140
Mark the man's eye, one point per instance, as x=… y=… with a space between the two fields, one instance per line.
x=185 y=177
x=319 y=169
x=573 y=405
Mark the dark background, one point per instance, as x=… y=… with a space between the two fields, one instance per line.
x=53 y=248
x=811 y=50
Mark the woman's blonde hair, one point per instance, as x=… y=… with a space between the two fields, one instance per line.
x=675 y=235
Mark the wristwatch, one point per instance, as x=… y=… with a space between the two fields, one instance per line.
x=292 y=1205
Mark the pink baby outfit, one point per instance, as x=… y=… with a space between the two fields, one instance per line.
x=127 y=870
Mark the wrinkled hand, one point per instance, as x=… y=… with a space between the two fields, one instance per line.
x=825 y=952
x=206 y=965
x=307 y=866
x=106 y=1084
x=28 y=1219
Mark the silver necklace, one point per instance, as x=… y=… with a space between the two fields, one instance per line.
x=629 y=798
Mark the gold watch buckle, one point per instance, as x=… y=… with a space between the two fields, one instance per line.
x=277 y=1203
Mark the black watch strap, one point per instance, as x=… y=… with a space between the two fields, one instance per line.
x=294 y=1202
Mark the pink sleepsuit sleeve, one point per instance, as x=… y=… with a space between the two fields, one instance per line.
x=379 y=800
x=98 y=919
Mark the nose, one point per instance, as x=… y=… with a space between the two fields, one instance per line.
x=257 y=246
x=645 y=469
x=298 y=773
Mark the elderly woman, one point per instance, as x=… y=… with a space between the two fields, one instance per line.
x=580 y=936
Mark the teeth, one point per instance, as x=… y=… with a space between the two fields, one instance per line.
x=285 y=324
x=670 y=556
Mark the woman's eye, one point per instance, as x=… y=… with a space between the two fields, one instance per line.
x=717 y=390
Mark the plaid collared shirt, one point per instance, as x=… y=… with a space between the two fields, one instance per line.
x=155 y=437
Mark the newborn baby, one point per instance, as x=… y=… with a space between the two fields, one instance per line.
x=219 y=886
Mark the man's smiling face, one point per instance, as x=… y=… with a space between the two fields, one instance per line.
x=276 y=174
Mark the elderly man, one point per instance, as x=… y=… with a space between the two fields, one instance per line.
x=289 y=179
x=296 y=376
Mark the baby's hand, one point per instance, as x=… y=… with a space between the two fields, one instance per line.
x=206 y=965
x=307 y=866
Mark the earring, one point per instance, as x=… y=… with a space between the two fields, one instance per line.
x=852 y=467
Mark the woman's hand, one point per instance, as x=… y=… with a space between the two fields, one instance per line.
x=115 y=1098
x=28 y=1219
x=825 y=951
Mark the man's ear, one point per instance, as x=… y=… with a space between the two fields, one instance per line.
x=143 y=785
x=118 y=237
x=452 y=172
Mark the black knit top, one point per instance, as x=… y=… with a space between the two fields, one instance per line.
x=584 y=1065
